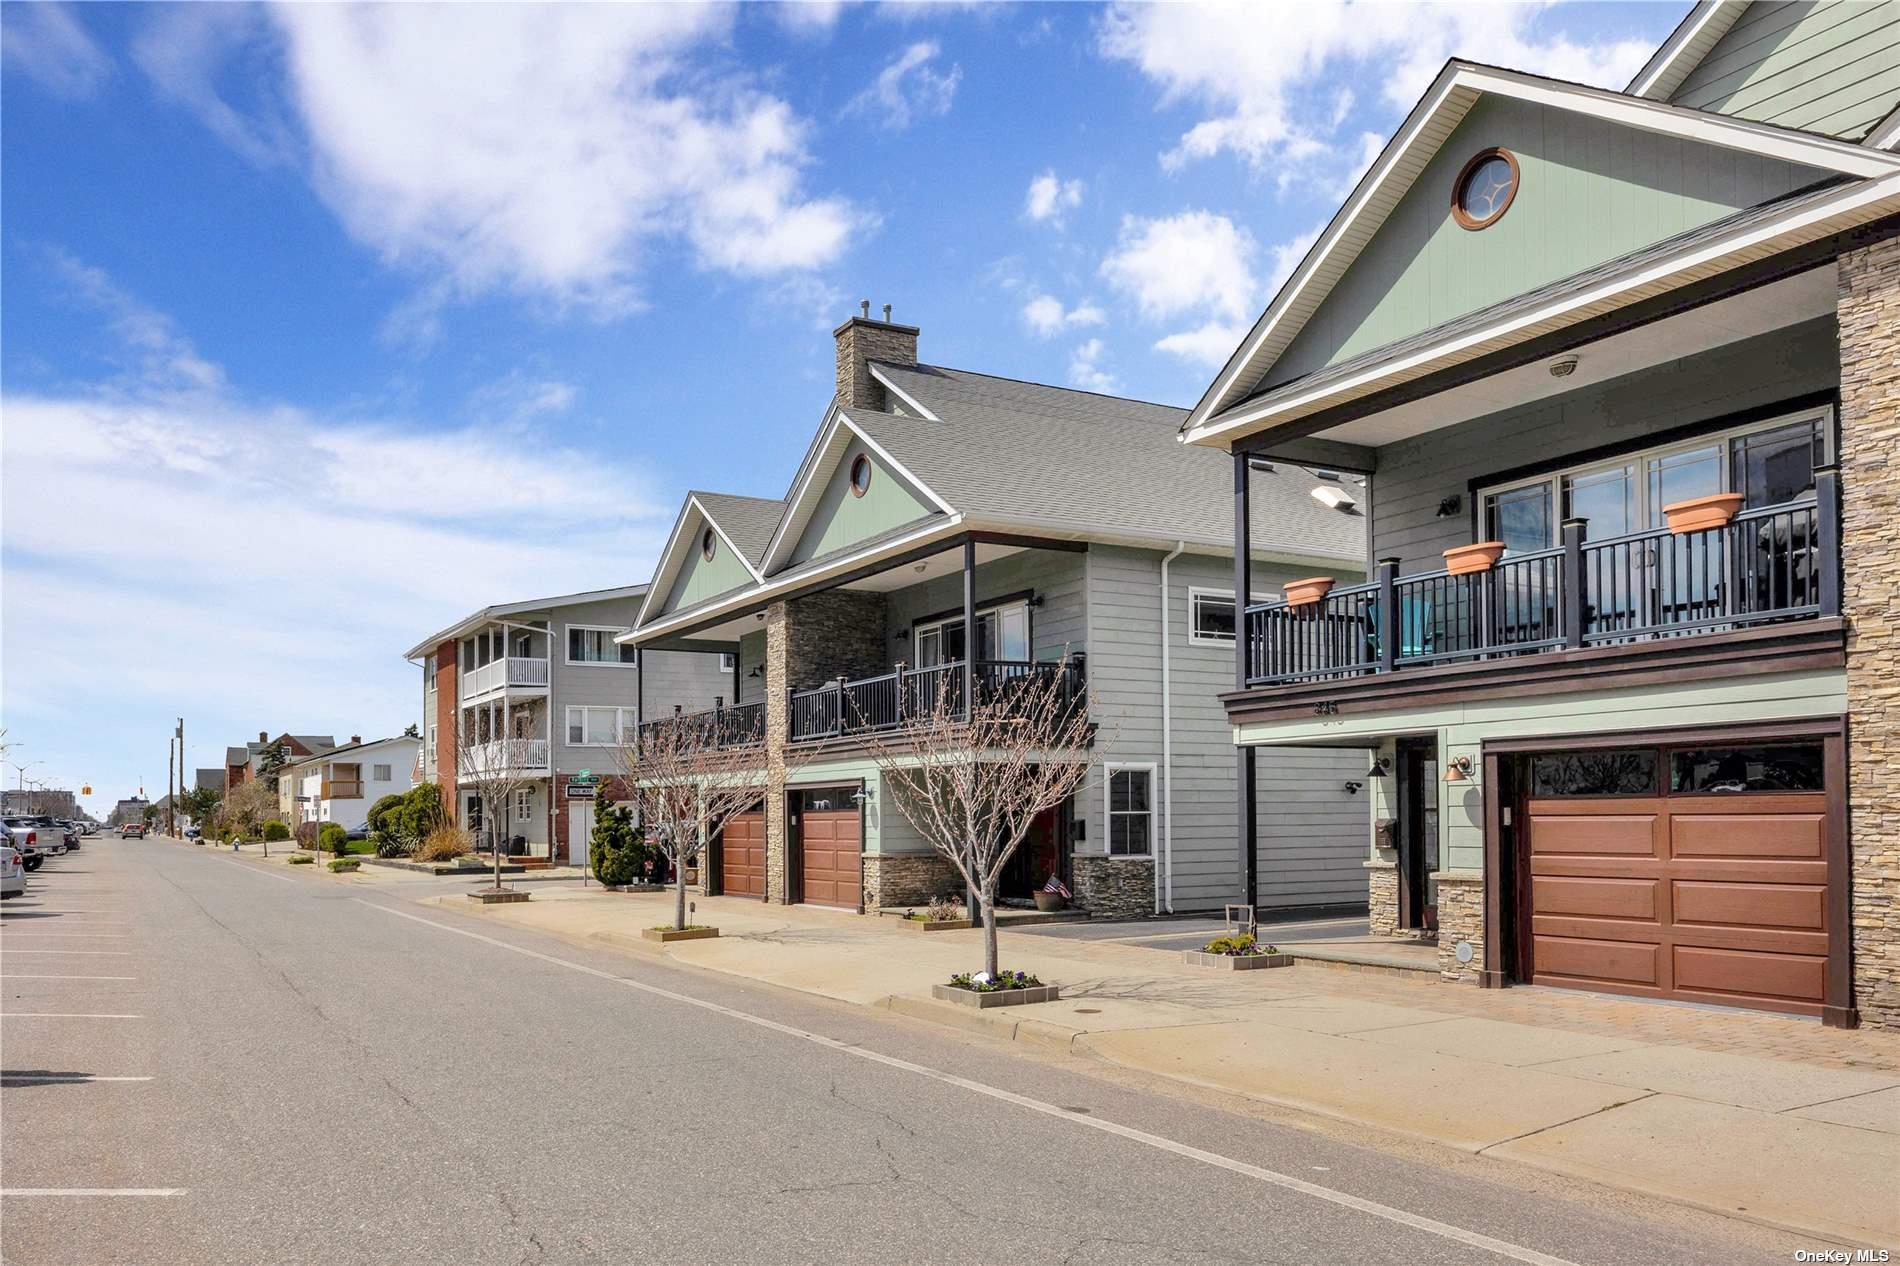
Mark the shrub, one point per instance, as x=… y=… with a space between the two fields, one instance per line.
x=982 y=982
x=946 y=910
x=306 y=835
x=332 y=838
x=301 y=859
x=445 y=843
x=389 y=845
x=275 y=830
x=341 y=864
x=1240 y=946
x=619 y=847
x=376 y=811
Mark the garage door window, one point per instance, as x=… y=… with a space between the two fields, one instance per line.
x=1726 y=770
x=1612 y=773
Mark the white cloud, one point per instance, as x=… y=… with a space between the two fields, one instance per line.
x=1046 y=316
x=278 y=561
x=1194 y=261
x=1087 y=371
x=907 y=88
x=548 y=151
x=1267 y=73
x=46 y=43
x=1209 y=346
x=806 y=17
x=1050 y=197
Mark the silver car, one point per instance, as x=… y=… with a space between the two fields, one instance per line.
x=12 y=872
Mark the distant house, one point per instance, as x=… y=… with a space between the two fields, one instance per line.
x=340 y=785
x=241 y=764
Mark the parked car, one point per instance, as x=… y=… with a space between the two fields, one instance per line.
x=192 y=832
x=23 y=837
x=357 y=832
x=132 y=831
x=12 y=872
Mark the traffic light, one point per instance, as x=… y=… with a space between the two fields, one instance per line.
x=86 y=790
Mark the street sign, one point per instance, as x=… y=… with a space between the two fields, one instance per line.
x=581 y=791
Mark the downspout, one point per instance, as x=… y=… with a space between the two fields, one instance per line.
x=1166 y=877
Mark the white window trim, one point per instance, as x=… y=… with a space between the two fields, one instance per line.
x=524 y=803
x=612 y=631
x=1196 y=592
x=389 y=774
x=1109 y=814
x=918 y=630
x=624 y=717
x=1639 y=458
x=728 y=662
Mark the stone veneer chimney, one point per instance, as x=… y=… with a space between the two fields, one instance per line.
x=862 y=340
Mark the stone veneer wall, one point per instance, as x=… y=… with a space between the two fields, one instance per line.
x=777 y=828
x=1868 y=308
x=1382 y=898
x=861 y=341
x=836 y=633
x=907 y=879
x=1460 y=918
x=1115 y=887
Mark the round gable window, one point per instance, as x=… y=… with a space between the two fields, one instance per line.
x=1485 y=188
x=707 y=544
x=860 y=475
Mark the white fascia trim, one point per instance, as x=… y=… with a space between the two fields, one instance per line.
x=670 y=563
x=1651 y=116
x=1853 y=198
x=765 y=592
x=1663 y=73
x=808 y=481
x=1029 y=524
x=903 y=395
x=1886 y=133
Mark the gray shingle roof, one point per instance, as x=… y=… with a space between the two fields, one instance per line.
x=749 y=521
x=236 y=755
x=1092 y=463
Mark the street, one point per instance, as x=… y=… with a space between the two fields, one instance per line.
x=210 y=1061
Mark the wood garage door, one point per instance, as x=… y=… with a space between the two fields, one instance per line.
x=1709 y=898
x=828 y=853
x=742 y=856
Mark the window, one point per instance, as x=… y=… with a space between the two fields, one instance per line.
x=708 y=544
x=1210 y=616
x=1772 y=767
x=1002 y=633
x=595 y=645
x=600 y=727
x=524 y=804
x=1130 y=810
x=728 y=662
x=860 y=475
x=1484 y=189
x=1770 y=463
x=1614 y=773
x=381 y=773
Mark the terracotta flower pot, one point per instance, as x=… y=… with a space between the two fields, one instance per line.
x=1047 y=901
x=1467 y=560
x=1304 y=593
x=1699 y=514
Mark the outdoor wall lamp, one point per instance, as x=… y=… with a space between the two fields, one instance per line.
x=1352 y=788
x=1379 y=765
x=1450 y=505
x=1459 y=770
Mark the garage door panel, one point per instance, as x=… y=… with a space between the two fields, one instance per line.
x=742 y=856
x=1795 y=906
x=1581 y=958
x=1742 y=973
x=1619 y=835
x=1596 y=896
x=1797 y=836
x=829 y=853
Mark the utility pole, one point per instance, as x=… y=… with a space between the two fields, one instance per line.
x=181 y=765
x=170 y=799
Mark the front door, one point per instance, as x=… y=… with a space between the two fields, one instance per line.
x=1418 y=833
x=580 y=831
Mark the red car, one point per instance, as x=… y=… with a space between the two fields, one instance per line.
x=132 y=830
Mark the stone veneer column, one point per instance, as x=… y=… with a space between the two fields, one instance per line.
x=1382 y=898
x=777 y=719
x=1868 y=309
x=1114 y=887
x=1460 y=918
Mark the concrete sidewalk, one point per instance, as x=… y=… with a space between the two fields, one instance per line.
x=1775 y=1120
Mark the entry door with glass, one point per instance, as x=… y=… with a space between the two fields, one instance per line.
x=1002 y=633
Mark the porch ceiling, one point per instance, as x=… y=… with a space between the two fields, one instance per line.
x=1787 y=302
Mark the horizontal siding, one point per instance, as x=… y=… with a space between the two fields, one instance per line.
x=1828 y=66
x=686 y=678
x=1414 y=476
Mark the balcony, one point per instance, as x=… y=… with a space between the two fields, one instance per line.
x=510 y=671
x=871 y=704
x=737 y=726
x=1773 y=565
x=512 y=756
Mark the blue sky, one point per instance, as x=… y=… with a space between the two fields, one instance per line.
x=325 y=325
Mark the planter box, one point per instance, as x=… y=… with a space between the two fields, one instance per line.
x=1468 y=560
x=667 y=936
x=343 y=868
x=941 y=925
x=1699 y=514
x=635 y=887
x=1050 y=902
x=999 y=998
x=1304 y=593
x=1236 y=962
x=498 y=897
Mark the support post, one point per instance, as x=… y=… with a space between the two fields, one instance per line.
x=1391 y=627
x=1575 y=591
x=969 y=678
x=1243 y=576
x=1827 y=536
x=1248 y=824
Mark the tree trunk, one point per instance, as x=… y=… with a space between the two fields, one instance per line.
x=495 y=840
x=988 y=900
x=679 y=895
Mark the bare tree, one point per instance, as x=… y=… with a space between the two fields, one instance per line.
x=497 y=765
x=973 y=781
x=687 y=777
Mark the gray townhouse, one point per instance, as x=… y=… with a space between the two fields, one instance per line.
x=548 y=670
x=1620 y=372
x=945 y=523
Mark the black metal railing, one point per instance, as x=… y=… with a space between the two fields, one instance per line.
x=737 y=725
x=869 y=704
x=1765 y=565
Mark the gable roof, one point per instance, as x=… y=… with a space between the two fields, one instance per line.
x=744 y=523
x=1438 y=113
x=1700 y=30
x=367 y=744
x=501 y=609
x=236 y=756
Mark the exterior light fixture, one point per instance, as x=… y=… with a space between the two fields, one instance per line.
x=1459 y=770
x=1379 y=765
x=1352 y=788
x=1563 y=367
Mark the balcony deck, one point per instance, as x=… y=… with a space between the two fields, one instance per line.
x=1772 y=566
x=513 y=671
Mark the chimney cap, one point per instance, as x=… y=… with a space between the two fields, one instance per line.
x=263 y=736
x=864 y=308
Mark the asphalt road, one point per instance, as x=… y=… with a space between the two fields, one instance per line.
x=324 y=1072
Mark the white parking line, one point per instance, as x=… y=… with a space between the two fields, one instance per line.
x=1358 y=1204
x=61 y=1079
x=92 y=1191
x=67 y=1015
x=11 y=936
x=17 y=975
x=113 y=953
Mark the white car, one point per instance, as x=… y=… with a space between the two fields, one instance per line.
x=12 y=872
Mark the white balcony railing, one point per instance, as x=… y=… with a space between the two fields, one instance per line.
x=519 y=756
x=512 y=671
